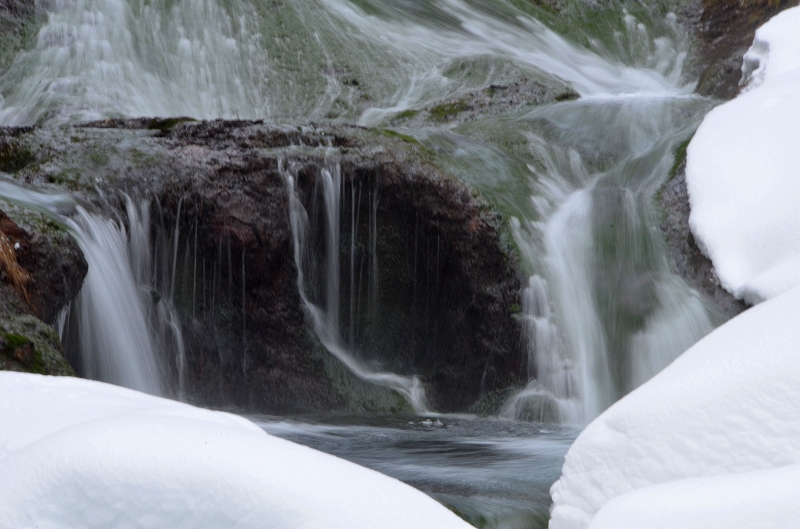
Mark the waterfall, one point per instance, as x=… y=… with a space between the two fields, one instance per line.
x=119 y=329
x=99 y=57
x=604 y=313
x=602 y=308
x=326 y=319
x=206 y=59
x=114 y=337
x=122 y=327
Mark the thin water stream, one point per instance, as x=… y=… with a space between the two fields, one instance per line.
x=576 y=181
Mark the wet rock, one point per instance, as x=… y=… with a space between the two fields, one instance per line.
x=49 y=256
x=445 y=286
x=41 y=271
x=493 y=99
x=689 y=260
x=445 y=318
x=27 y=344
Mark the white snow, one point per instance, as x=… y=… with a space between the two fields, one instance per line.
x=743 y=171
x=713 y=441
x=766 y=499
x=77 y=453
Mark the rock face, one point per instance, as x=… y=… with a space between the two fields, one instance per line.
x=42 y=270
x=494 y=99
x=725 y=31
x=426 y=284
x=689 y=260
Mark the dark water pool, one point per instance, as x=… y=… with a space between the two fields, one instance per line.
x=494 y=473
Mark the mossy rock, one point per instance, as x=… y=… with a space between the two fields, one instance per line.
x=29 y=345
x=14 y=156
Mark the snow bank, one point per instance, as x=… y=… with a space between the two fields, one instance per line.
x=743 y=171
x=728 y=407
x=76 y=453
x=753 y=500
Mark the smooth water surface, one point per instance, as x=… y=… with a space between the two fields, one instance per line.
x=494 y=473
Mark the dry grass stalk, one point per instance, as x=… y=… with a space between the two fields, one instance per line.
x=8 y=259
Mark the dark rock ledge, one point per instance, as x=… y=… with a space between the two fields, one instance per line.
x=447 y=284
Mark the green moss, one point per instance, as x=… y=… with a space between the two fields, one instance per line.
x=515 y=309
x=447 y=111
x=67 y=177
x=16 y=341
x=680 y=157
x=99 y=157
x=569 y=95
x=14 y=157
x=33 y=365
x=399 y=135
x=24 y=330
x=406 y=114
x=490 y=404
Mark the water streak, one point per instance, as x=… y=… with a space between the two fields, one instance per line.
x=326 y=320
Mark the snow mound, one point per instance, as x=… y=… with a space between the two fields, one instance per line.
x=753 y=500
x=76 y=453
x=712 y=430
x=777 y=44
x=743 y=171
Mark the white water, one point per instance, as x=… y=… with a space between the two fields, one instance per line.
x=114 y=326
x=97 y=58
x=326 y=320
x=114 y=336
x=618 y=314
x=227 y=58
x=123 y=325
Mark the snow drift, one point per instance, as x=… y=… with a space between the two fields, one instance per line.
x=713 y=441
x=743 y=170
x=77 y=453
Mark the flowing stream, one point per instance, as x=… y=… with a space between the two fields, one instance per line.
x=576 y=178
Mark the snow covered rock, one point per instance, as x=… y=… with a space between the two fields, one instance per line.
x=743 y=171
x=766 y=499
x=712 y=430
x=76 y=453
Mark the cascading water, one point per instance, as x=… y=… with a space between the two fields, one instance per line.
x=326 y=320
x=114 y=330
x=113 y=335
x=591 y=167
x=621 y=313
x=297 y=60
